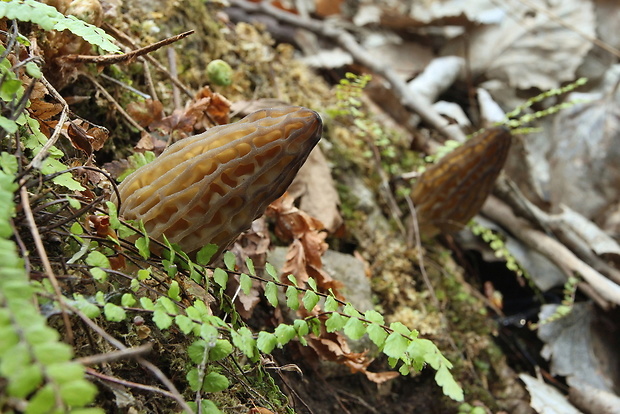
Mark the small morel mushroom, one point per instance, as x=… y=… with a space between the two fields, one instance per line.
x=208 y=188
x=450 y=192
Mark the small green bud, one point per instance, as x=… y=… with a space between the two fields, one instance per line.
x=219 y=72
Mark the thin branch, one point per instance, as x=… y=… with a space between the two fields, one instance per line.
x=150 y=59
x=510 y=193
x=125 y=57
x=115 y=355
x=553 y=250
x=113 y=101
x=172 y=63
x=49 y=272
x=149 y=79
x=348 y=42
x=129 y=384
x=125 y=86
x=174 y=393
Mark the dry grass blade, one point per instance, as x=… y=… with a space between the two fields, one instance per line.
x=452 y=191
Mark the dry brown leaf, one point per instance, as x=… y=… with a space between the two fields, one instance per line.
x=148 y=142
x=117 y=167
x=244 y=304
x=255 y=242
x=333 y=347
x=259 y=410
x=308 y=244
x=326 y=8
x=179 y=124
x=296 y=262
x=218 y=109
x=147 y=112
x=79 y=139
x=44 y=110
x=381 y=377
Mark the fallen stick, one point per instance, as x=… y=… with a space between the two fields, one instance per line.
x=553 y=250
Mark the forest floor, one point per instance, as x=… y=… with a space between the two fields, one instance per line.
x=519 y=296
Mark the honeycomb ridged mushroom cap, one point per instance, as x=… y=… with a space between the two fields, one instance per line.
x=452 y=191
x=208 y=188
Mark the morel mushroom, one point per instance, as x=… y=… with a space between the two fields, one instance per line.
x=450 y=192
x=208 y=188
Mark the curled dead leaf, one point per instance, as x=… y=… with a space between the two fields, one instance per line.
x=146 y=112
x=307 y=246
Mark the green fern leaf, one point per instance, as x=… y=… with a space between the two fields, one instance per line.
x=51 y=19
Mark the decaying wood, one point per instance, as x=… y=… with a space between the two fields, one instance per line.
x=552 y=249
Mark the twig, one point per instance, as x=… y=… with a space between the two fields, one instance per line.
x=125 y=57
x=126 y=383
x=115 y=355
x=113 y=101
x=384 y=187
x=149 y=58
x=49 y=272
x=174 y=393
x=125 y=86
x=429 y=285
x=553 y=250
x=149 y=79
x=172 y=62
x=509 y=192
x=348 y=42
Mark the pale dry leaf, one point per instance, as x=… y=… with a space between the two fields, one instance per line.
x=437 y=77
x=477 y=11
x=328 y=59
x=584 y=154
x=317 y=192
x=592 y=400
x=442 y=15
x=607 y=17
x=404 y=57
x=452 y=111
x=530 y=49
x=578 y=347
x=296 y=263
x=597 y=240
x=545 y=398
x=490 y=111
x=367 y=14
x=243 y=108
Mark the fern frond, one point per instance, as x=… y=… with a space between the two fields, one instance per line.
x=51 y=19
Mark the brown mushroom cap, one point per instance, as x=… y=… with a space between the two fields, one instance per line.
x=450 y=192
x=208 y=188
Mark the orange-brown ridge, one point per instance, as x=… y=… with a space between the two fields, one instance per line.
x=208 y=188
